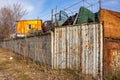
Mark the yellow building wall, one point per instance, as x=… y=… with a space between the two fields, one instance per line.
x=25 y=26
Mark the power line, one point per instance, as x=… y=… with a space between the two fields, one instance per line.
x=73 y=5
x=90 y=5
x=71 y=11
x=87 y=2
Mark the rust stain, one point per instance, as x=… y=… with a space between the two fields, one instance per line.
x=60 y=34
x=79 y=34
x=111 y=56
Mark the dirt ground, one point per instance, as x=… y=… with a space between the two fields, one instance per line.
x=15 y=67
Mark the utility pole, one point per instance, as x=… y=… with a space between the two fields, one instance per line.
x=99 y=10
x=99 y=4
x=52 y=19
x=52 y=15
x=83 y=3
x=56 y=9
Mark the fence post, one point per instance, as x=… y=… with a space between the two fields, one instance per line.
x=52 y=49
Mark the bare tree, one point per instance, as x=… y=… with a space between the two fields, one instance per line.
x=8 y=17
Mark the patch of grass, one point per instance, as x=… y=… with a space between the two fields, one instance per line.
x=23 y=76
x=22 y=68
x=114 y=76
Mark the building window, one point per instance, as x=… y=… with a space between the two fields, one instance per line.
x=29 y=26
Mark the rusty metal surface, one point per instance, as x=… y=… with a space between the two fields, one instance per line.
x=111 y=20
x=78 y=47
x=111 y=56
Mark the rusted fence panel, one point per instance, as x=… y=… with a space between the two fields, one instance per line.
x=79 y=47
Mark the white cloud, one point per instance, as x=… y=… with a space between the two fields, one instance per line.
x=114 y=2
x=26 y=5
x=37 y=9
x=110 y=2
x=29 y=7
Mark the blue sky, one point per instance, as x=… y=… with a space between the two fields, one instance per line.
x=42 y=8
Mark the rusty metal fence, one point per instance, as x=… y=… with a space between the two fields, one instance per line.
x=73 y=47
x=79 y=47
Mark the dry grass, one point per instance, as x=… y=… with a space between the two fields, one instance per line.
x=20 y=68
x=113 y=76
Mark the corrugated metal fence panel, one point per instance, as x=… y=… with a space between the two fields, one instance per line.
x=78 y=47
x=37 y=48
x=59 y=55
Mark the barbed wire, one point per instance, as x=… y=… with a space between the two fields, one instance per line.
x=68 y=9
x=73 y=5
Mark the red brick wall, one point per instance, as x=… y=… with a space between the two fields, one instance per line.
x=111 y=56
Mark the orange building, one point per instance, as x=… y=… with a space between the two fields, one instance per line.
x=24 y=27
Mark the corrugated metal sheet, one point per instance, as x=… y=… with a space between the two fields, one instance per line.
x=79 y=47
x=37 y=48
